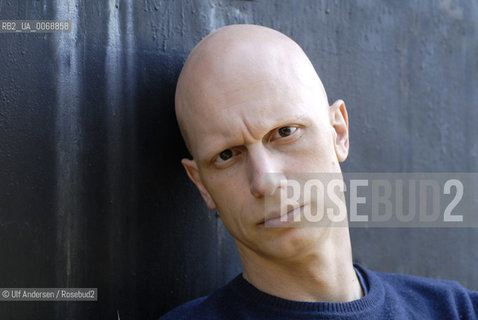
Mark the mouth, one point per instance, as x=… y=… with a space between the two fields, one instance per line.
x=276 y=220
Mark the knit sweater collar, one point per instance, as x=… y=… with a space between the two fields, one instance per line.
x=262 y=300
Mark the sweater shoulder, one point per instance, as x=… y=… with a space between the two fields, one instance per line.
x=442 y=294
x=209 y=307
x=184 y=311
x=421 y=283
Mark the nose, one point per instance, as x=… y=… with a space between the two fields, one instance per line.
x=265 y=171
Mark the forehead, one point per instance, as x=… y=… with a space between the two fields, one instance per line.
x=239 y=114
x=230 y=92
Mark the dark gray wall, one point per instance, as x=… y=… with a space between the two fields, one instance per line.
x=91 y=189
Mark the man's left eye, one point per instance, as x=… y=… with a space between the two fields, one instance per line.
x=284 y=132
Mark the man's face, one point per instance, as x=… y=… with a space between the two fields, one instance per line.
x=253 y=126
x=251 y=104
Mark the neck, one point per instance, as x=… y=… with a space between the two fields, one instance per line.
x=324 y=273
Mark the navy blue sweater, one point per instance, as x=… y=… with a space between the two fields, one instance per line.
x=388 y=296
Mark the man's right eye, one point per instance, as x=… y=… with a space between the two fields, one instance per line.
x=225 y=155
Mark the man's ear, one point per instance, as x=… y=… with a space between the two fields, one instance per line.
x=193 y=173
x=340 y=121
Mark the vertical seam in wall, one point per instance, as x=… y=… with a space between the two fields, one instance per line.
x=67 y=141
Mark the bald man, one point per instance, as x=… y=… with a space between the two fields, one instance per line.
x=252 y=110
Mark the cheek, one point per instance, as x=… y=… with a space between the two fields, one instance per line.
x=237 y=207
x=233 y=213
x=227 y=190
x=314 y=151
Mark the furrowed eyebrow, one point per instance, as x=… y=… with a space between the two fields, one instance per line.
x=217 y=144
x=213 y=156
x=209 y=155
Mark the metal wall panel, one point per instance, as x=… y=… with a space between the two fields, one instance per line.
x=92 y=193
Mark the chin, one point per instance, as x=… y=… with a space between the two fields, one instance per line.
x=290 y=242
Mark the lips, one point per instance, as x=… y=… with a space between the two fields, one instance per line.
x=275 y=220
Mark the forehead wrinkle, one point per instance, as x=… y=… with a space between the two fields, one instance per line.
x=236 y=130
x=220 y=138
x=238 y=123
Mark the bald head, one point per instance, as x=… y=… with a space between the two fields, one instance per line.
x=230 y=63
